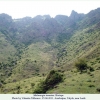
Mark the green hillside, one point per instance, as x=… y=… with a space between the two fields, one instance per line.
x=33 y=49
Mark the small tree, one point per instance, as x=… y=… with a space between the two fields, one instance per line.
x=81 y=65
x=51 y=80
x=32 y=85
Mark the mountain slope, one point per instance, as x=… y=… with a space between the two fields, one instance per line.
x=31 y=47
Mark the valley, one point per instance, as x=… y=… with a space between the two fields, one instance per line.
x=30 y=48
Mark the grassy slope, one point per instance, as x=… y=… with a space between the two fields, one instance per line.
x=35 y=61
x=7 y=55
x=25 y=86
x=78 y=83
x=39 y=58
x=81 y=45
x=6 y=49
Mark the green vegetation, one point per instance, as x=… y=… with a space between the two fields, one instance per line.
x=81 y=65
x=52 y=79
x=32 y=47
x=98 y=89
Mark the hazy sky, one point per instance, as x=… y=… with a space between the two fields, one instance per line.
x=22 y=8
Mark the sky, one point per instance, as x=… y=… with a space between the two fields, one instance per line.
x=23 y=8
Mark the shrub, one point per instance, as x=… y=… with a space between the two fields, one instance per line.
x=32 y=84
x=81 y=65
x=98 y=89
x=91 y=69
x=88 y=73
x=88 y=80
x=27 y=92
x=80 y=84
x=91 y=85
x=41 y=88
x=73 y=79
x=0 y=85
x=52 y=79
x=92 y=75
x=18 y=87
x=98 y=68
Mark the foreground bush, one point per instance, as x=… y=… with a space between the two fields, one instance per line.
x=81 y=65
x=52 y=79
x=98 y=89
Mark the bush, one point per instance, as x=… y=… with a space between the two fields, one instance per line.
x=18 y=87
x=0 y=84
x=88 y=80
x=52 y=79
x=91 y=69
x=91 y=85
x=92 y=75
x=98 y=89
x=81 y=65
x=32 y=84
x=98 y=68
x=41 y=88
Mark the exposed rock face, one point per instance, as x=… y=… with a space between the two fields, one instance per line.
x=5 y=20
x=75 y=16
x=44 y=27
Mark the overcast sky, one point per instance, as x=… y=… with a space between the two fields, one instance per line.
x=22 y=8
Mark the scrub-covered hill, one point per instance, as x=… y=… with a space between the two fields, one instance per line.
x=31 y=47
